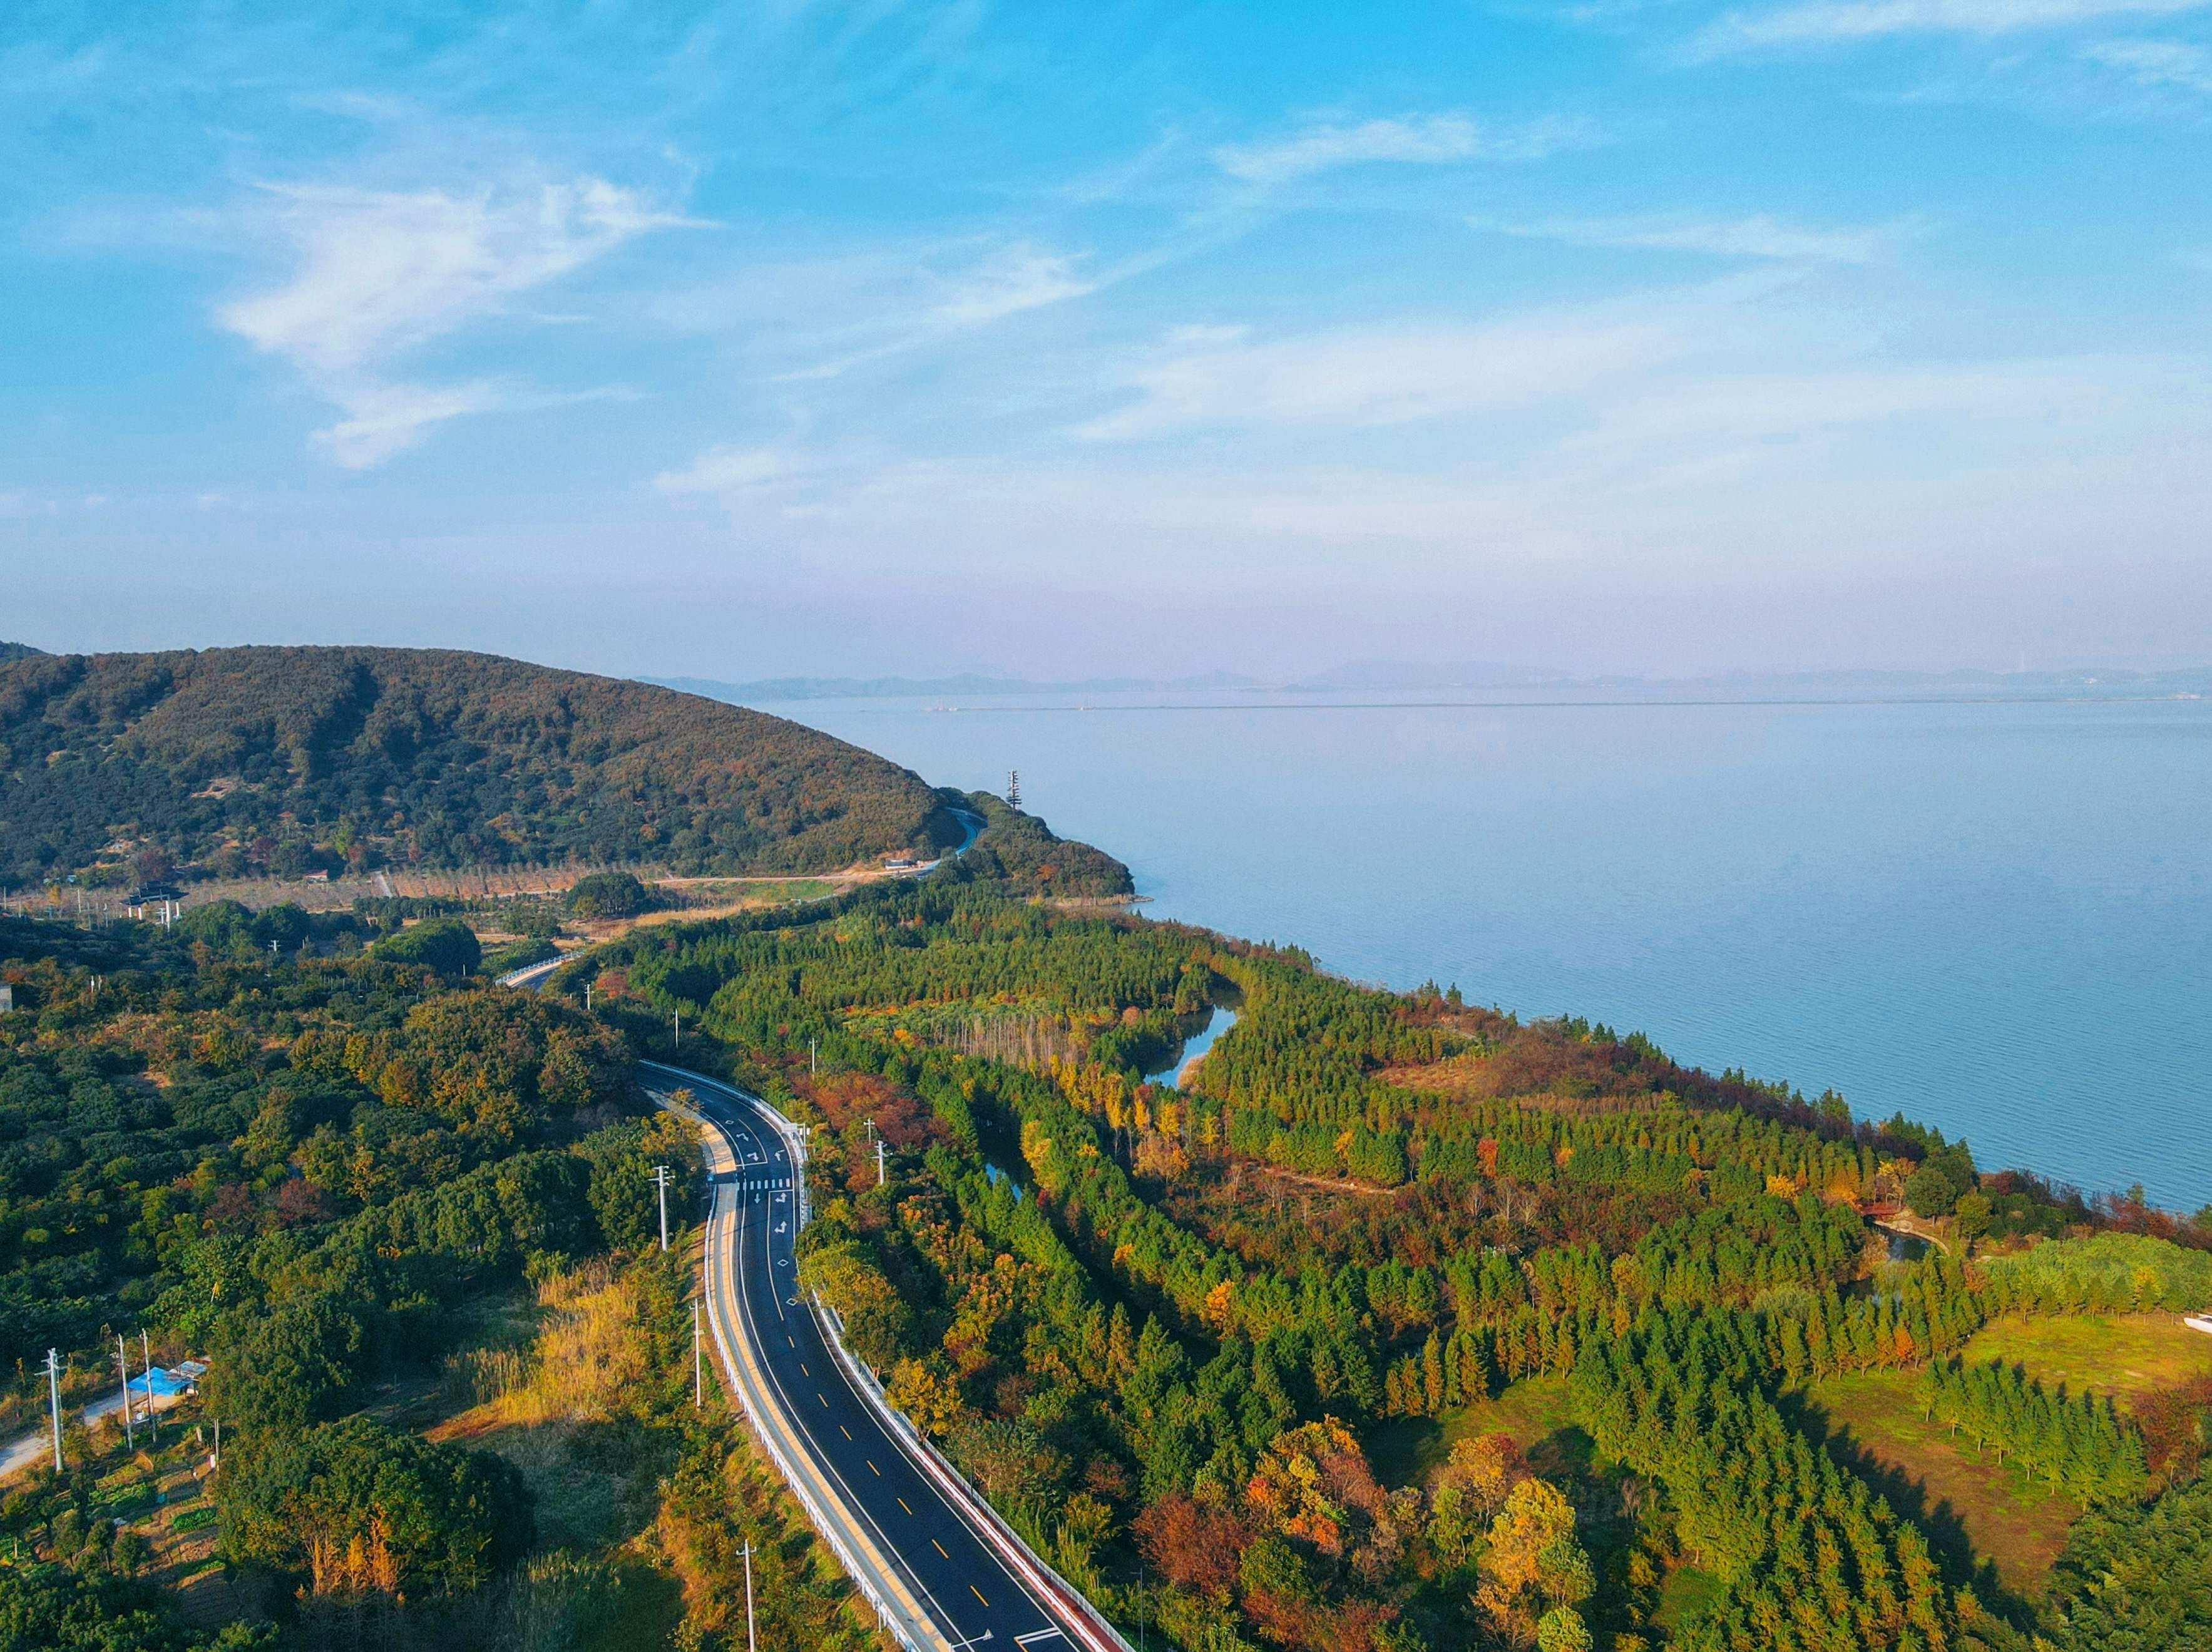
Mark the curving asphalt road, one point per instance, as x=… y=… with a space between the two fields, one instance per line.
x=943 y=1572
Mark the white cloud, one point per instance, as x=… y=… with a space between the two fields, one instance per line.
x=735 y=469
x=1757 y=237
x=1826 y=21
x=1368 y=377
x=2158 y=62
x=383 y=420
x=1414 y=140
x=1023 y=278
x=380 y=274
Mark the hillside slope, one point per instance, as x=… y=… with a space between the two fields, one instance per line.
x=113 y=766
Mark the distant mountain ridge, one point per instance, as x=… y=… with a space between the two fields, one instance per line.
x=290 y=760
x=1384 y=676
x=899 y=688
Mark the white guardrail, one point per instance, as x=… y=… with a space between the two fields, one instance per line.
x=759 y=1414
x=1096 y=1633
x=531 y=973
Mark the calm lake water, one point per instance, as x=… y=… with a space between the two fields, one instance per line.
x=1997 y=917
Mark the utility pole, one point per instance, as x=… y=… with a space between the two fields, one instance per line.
x=588 y=997
x=880 y=1177
x=809 y=1056
x=698 y=1367
x=146 y=1359
x=123 y=1370
x=54 y=1389
x=679 y=1029
x=751 y=1645
x=660 y=1181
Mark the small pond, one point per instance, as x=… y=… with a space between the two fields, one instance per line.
x=1219 y=1018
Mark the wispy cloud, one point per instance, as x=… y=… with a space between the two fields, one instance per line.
x=737 y=470
x=383 y=420
x=847 y=314
x=1756 y=237
x=2158 y=62
x=1410 y=140
x=380 y=274
x=1833 y=21
x=1024 y=278
x=1369 y=377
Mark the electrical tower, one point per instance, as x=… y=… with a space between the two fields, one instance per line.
x=1013 y=788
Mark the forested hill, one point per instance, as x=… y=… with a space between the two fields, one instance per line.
x=238 y=760
x=17 y=650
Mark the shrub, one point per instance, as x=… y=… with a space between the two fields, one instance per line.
x=445 y=944
x=361 y=1508
x=610 y=894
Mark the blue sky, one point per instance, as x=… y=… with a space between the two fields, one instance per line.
x=757 y=339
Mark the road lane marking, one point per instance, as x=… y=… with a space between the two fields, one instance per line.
x=744 y=1304
x=958 y=1515
x=872 y=1469
x=1036 y=1635
x=842 y=1430
x=823 y=1398
x=939 y=1547
x=803 y=1371
x=972 y=1589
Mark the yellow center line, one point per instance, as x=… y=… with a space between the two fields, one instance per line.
x=972 y=1589
x=803 y=1371
x=901 y=1504
x=842 y=1430
x=819 y=1395
x=872 y=1469
x=939 y=1547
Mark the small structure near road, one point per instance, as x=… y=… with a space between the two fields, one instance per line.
x=167 y=896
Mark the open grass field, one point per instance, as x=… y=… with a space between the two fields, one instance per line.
x=1407 y=1451
x=1685 y=1594
x=2125 y=1355
x=1971 y=1509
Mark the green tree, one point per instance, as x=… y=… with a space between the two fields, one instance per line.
x=445 y=944
x=285 y=1368
x=610 y=894
x=359 y=1508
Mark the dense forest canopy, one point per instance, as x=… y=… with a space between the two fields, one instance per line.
x=1393 y=1324
x=233 y=760
x=1170 y=1329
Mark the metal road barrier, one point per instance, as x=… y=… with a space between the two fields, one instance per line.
x=1086 y=1625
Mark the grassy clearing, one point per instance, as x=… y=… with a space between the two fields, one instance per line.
x=1971 y=1509
x=2126 y=1354
x=640 y=1510
x=1683 y=1599
x=555 y=1409
x=1407 y=1451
